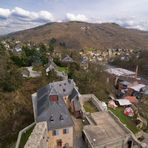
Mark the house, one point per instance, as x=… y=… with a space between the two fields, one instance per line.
x=50 y=106
x=136 y=87
x=84 y=62
x=50 y=66
x=28 y=72
x=145 y=90
x=120 y=72
x=17 y=49
x=67 y=59
x=25 y=73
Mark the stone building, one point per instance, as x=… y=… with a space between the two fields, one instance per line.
x=50 y=106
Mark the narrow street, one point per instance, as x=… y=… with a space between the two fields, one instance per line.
x=78 y=141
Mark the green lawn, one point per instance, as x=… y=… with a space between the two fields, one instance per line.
x=89 y=107
x=63 y=69
x=128 y=121
x=25 y=137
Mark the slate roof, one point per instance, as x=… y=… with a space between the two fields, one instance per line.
x=73 y=94
x=56 y=111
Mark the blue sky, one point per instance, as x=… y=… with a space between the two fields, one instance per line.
x=23 y=14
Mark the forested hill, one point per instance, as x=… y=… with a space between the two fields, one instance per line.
x=79 y=35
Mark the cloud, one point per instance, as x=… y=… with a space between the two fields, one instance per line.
x=132 y=22
x=45 y=15
x=4 y=13
x=18 y=19
x=32 y=16
x=79 y=17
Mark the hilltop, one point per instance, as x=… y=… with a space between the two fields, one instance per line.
x=77 y=35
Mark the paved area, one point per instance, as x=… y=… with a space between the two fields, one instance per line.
x=106 y=130
x=78 y=141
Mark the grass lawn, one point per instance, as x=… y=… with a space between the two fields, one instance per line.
x=89 y=107
x=25 y=137
x=63 y=69
x=128 y=121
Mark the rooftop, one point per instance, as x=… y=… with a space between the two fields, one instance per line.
x=123 y=102
x=120 y=72
x=106 y=130
x=137 y=87
x=55 y=113
x=67 y=59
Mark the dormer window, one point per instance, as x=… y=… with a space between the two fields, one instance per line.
x=51 y=118
x=53 y=98
x=61 y=117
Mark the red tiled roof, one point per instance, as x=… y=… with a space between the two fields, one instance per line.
x=132 y=99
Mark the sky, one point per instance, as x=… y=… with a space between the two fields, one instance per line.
x=18 y=15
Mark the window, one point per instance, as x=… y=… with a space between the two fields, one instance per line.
x=55 y=132
x=64 y=90
x=61 y=117
x=51 y=118
x=54 y=98
x=65 y=131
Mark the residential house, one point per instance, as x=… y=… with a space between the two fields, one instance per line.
x=17 y=49
x=28 y=72
x=50 y=66
x=67 y=59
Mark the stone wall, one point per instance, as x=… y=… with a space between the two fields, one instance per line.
x=38 y=137
x=91 y=97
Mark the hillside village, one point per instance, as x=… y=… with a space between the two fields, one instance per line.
x=68 y=115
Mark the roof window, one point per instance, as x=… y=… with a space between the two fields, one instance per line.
x=51 y=118
x=61 y=117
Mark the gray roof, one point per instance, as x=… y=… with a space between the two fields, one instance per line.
x=57 y=111
x=73 y=94
x=51 y=64
x=67 y=59
x=125 y=82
